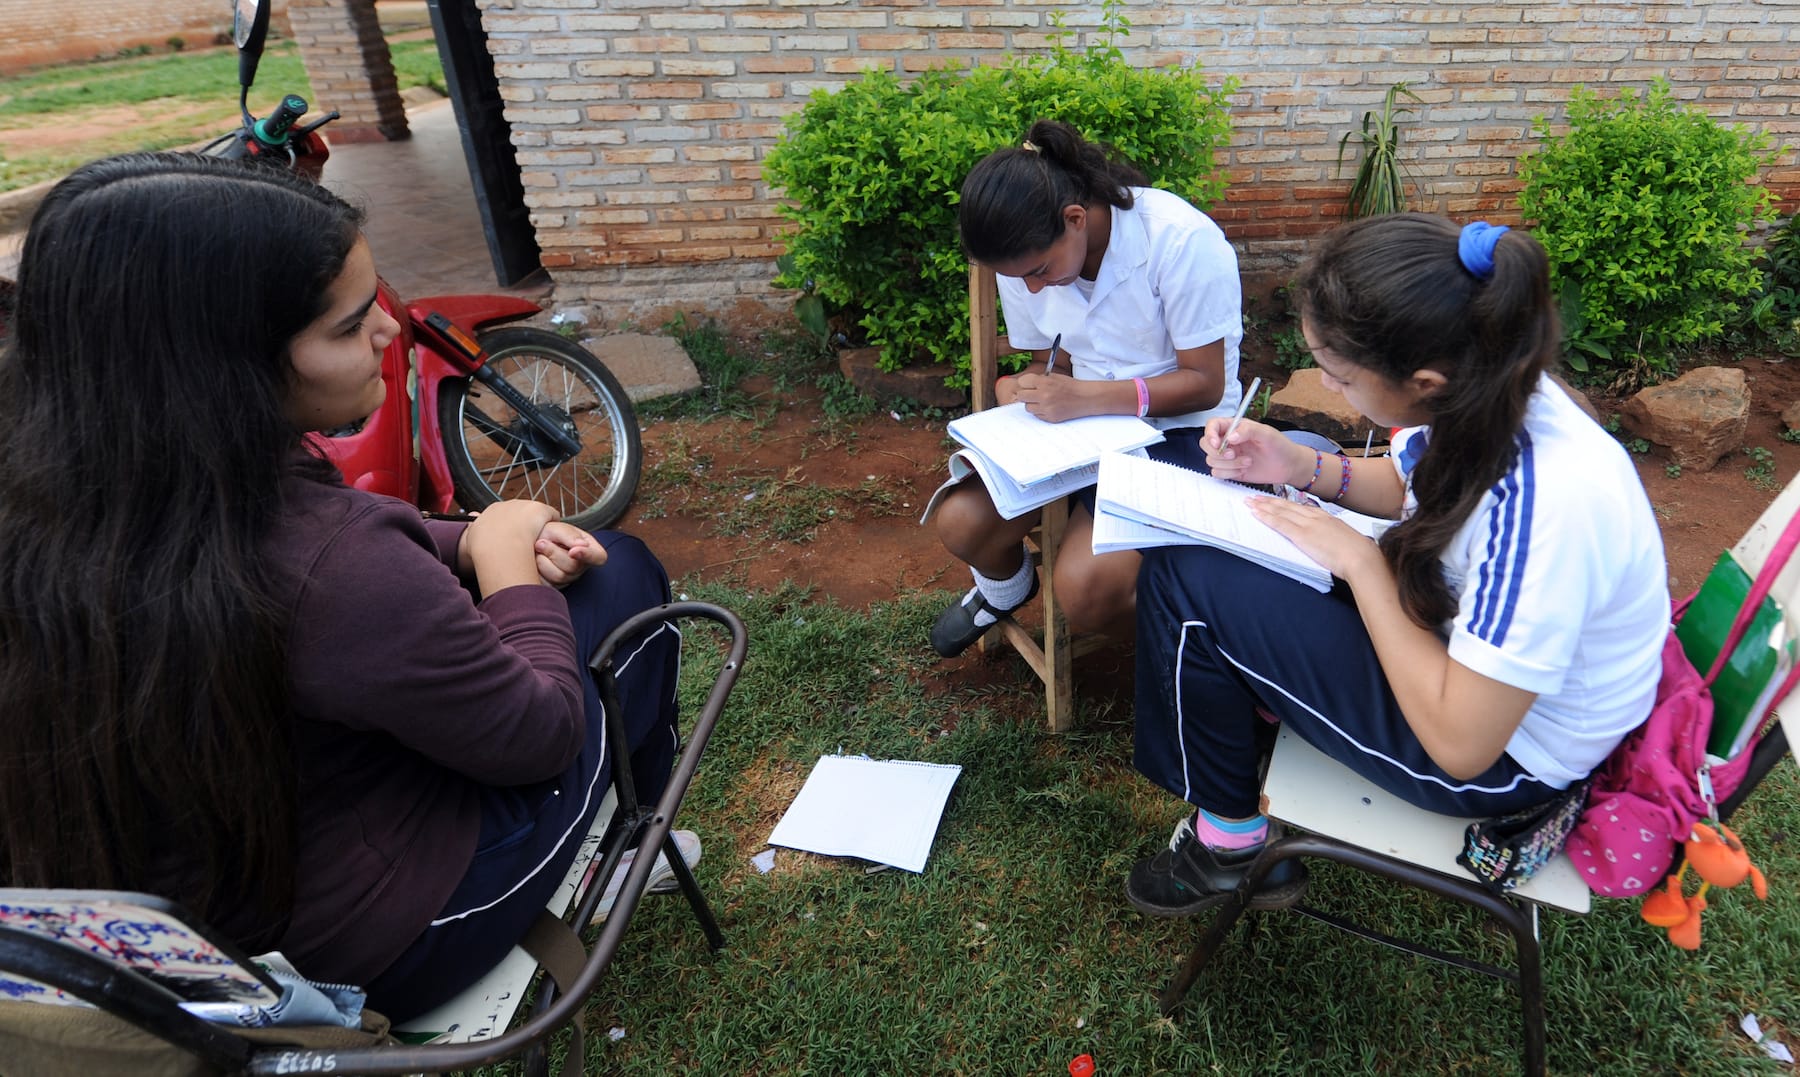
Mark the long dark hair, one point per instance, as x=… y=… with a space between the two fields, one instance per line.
x=141 y=406
x=1012 y=200
x=1390 y=295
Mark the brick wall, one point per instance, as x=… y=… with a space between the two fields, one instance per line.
x=38 y=33
x=640 y=125
x=348 y=62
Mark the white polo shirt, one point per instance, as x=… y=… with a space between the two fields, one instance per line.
x=1168 y=280
x=1563 y=587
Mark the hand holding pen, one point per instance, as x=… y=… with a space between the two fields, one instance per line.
x=1050 y=363
x=1006 y=389
x=1056 y=399
x=1250 y=451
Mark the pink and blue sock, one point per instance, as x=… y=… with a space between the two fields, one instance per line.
x=1228 y=834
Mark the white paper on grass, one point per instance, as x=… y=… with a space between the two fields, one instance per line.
x=885 y=810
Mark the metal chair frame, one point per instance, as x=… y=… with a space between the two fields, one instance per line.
x=1519 y=918
x=155 y=1009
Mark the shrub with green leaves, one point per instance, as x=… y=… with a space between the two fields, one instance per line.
x=872 y=174
x=1775 y=310
x=1642 y=206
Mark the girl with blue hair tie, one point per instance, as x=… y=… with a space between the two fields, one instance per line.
x=1491 y=649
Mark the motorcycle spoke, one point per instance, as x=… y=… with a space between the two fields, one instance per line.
x=512 y=470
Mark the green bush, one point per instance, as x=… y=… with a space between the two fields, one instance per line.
x=872 y=174
x=1642 y=206
x=1775 y=310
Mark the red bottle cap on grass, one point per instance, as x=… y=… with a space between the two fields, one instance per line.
x=1081 y=1066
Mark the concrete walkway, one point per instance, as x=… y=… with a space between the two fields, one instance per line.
x=423 y=225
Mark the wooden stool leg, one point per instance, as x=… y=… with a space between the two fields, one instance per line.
x=1059 y=681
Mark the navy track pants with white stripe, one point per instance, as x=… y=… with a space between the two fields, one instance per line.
x=531 y=834
x=1218 y=637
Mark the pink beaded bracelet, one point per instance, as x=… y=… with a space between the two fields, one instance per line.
x=1344 y=478
x=1143 y=397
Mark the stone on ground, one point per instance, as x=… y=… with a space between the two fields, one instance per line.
x=1699 y=417
x=648 y=366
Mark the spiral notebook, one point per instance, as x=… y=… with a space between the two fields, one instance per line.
x=1026 y=462
x=1174 y=504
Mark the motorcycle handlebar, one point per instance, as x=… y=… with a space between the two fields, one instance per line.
x=276 y=137
x=272 y=130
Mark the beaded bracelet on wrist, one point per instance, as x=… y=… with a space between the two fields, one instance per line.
x=1318 y=462
x=1344 y=477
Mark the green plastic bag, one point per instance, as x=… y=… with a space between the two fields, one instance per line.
x=1755 y=669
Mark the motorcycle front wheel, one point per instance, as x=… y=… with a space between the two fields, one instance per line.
x=495 y=454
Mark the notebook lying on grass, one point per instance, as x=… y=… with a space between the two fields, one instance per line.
x=1168 y=505
x=1026 y=462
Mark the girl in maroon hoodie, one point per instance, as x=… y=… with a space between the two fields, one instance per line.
x=322 y=723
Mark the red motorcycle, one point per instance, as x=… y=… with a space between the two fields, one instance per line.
x=475 y=413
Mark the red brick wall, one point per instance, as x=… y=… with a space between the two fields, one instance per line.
x=641 y=124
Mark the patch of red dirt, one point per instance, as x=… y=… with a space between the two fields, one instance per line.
x=873 y=554
x=865 y=555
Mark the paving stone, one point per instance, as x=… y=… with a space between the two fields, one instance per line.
x=648 y=366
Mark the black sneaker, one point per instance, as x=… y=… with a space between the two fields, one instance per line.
x=955 y=629
x=1190 y=877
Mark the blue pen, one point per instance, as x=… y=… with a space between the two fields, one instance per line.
x=1050 y=364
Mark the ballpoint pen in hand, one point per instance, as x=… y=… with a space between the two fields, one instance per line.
x=1243 y=406
x=1050 y=364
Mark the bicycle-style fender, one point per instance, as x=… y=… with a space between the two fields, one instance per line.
x=469 y=313
x=437 y=355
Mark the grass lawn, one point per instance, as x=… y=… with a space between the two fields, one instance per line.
x=1015 y=951
x=152 y=103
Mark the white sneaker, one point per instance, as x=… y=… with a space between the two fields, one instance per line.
x=662 y=876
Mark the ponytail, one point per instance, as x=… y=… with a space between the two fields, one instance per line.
x=1392 y=295
x=1012 y=201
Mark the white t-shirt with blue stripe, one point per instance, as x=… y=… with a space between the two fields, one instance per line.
x=1563 y=587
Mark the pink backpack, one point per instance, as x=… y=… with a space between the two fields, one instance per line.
x=1656 y=784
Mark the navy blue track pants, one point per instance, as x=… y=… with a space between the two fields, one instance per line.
x=1219 y=637
x=531 y=834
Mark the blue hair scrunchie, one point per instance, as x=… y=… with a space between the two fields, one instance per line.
x=1475 y=246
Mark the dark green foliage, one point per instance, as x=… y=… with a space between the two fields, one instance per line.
x=1291 y=352
x=1642 y=206
x=872 y=174
x=1775 y=311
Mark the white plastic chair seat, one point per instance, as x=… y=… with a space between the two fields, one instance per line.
x=486 y=1008
x=1310 y=791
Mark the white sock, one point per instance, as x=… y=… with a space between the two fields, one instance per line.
x=1003 y=594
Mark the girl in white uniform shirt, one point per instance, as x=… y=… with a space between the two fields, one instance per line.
x=1143 y=290
x=1495 y=646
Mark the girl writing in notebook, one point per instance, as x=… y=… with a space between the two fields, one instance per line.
x=316 y=720
x=1495 y=645
x=1141 y=290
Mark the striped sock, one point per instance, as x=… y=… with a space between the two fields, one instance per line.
x=1220 y=833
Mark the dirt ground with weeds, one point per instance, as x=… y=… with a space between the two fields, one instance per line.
x=833 y=504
